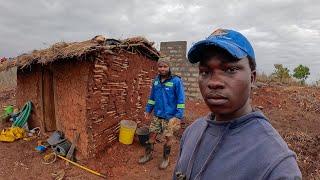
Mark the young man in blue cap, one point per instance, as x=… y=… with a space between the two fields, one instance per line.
x=234 y=141
x=167 y=101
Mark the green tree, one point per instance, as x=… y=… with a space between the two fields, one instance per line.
x=301 y=72
x=281 y=73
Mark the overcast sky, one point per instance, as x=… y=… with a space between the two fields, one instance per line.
x=281 y=31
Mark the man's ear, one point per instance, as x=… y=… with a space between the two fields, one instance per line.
x=253 y=77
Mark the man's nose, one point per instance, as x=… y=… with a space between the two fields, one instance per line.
x=216 y=82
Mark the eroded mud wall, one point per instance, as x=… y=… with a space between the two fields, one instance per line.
x=70 y=83
x=29 y=89
x=118 y=90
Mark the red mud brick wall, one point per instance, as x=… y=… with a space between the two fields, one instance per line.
x=118 y=90
x=70 y=83
x=28 y=88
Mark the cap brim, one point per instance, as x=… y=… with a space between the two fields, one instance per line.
x=197 y=49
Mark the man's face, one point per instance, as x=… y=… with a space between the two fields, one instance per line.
x=225 y=85
x=163 y=69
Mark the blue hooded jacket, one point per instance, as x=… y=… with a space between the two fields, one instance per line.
x=167 y=98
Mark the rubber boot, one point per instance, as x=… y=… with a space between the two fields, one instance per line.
x=165 y=161
x=148 y=154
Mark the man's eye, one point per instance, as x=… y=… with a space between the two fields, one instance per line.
x=203 y=73
x=231 y=70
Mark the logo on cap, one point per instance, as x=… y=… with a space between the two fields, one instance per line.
x=219 y=32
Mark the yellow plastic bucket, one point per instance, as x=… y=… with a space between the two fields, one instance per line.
x=127 y=129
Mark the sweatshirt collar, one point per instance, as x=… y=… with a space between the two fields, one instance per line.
x=237 y=122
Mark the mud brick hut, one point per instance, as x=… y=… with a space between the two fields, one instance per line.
x=86 y=87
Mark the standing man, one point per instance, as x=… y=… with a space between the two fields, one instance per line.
x=167 y=101
x=234 y=141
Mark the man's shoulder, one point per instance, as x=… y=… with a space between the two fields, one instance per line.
x=199 y=122
x=175 y=77
x=266 y=129
x=197 y=125
x=259 y=127
x=176 y=80
x=266 y=139
x=270 y=146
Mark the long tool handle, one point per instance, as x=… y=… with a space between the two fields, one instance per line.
x=82 y=167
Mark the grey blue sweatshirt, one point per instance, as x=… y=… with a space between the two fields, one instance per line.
x=245 y=148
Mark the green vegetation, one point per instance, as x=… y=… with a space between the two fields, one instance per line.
x=301 y=72
x=281 y=73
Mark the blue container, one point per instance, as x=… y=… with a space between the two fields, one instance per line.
x=41 y=148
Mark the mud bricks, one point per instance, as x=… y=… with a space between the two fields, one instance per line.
x=176 y=50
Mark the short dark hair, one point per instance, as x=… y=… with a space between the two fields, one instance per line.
x=208 y=52
x=252 y=64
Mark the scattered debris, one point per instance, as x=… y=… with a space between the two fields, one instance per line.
x=12 y=133
x=58 y=175
x=49 y=158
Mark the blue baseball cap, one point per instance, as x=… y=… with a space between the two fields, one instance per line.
x=231 y=41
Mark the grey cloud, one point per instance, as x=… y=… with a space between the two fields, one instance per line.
x=281 y=31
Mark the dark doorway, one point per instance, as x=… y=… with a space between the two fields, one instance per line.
x=48 y=100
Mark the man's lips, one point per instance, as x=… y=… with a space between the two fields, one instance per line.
x=217 y=99
x=216 y=96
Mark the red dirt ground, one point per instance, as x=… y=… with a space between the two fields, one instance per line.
x=293 y=111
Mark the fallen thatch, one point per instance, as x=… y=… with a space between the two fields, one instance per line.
x=80 y=50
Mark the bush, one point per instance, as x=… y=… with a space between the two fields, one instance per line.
x=281 y=73
x=301 y=72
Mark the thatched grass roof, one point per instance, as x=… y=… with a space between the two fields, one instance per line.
x=80 y=50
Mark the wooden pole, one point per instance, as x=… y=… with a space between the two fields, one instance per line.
x=82 y=167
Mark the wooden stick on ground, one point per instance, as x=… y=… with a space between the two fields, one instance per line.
x=82 y=167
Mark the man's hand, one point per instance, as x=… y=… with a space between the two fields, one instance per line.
x=147 y=115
